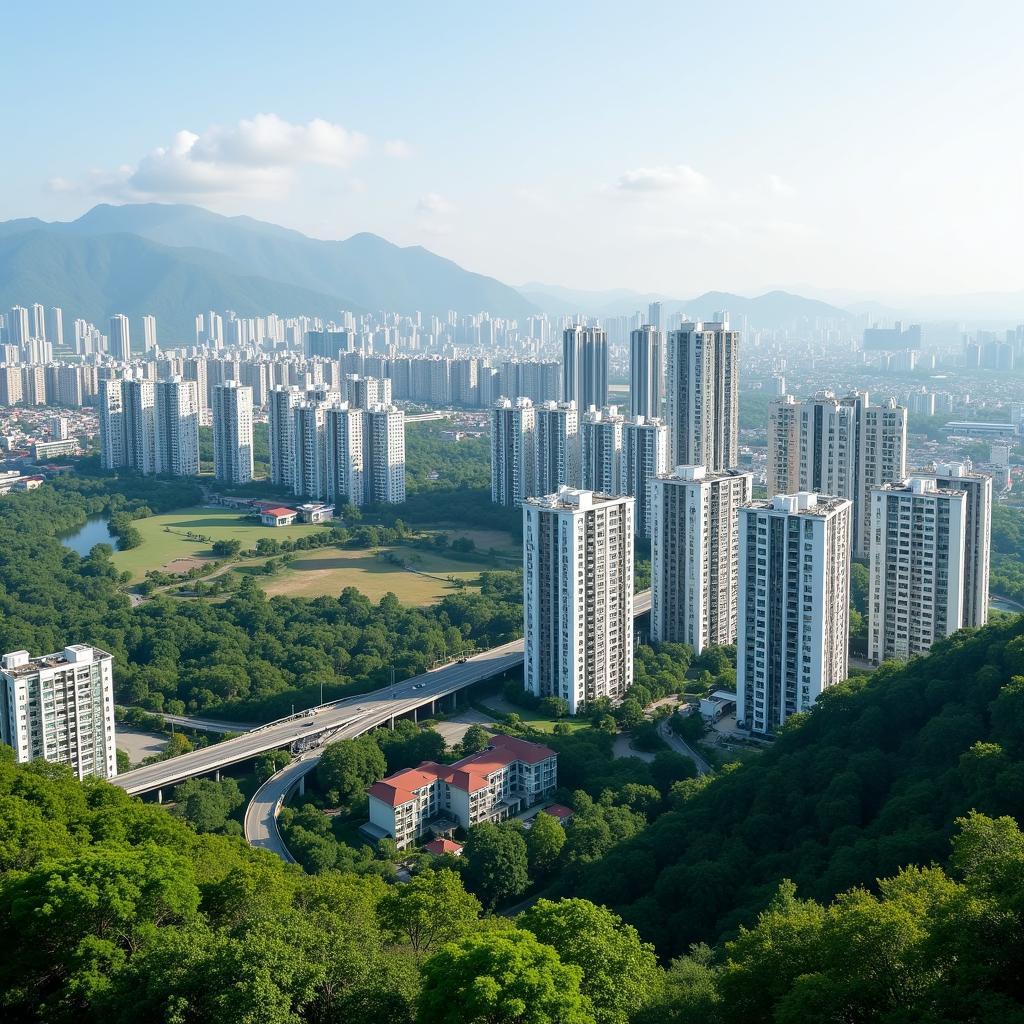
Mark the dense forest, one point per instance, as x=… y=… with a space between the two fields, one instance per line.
x=761 y=883
x=868 y=782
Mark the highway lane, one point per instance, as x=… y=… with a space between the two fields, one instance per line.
x=261 y=815
x=362 y=713
x=209 y=724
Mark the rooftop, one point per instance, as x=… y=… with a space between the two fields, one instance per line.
x=470 y=774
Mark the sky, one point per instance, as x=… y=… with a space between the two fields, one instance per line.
x=867 y=149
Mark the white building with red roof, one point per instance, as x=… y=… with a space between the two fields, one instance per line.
x=499 y=782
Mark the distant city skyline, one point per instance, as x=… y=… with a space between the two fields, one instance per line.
x=674 y=149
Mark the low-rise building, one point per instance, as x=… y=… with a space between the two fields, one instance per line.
x=499 y=782
x=278 y=516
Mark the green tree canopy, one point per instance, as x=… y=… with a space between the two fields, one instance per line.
x=503 y=977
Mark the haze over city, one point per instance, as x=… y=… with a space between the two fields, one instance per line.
x=843 y=152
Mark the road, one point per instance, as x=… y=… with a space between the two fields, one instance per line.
x=354 y=715
x=261 y=815
x=209 y=724
x=681 y=747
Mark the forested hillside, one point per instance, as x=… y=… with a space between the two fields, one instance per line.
x=870 y=781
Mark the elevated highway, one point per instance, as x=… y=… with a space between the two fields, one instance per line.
x=343 y=719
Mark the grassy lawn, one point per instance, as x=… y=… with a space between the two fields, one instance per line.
x=502 y=541
x=159 y=548
x=496 y=705
x=330 y=570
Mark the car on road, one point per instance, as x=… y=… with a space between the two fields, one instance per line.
x=462 y=661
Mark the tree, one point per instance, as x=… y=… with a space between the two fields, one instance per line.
x=124 y=761
x=554 y=707
x=505 y=977
x=271 y=763
x=496 y=863
x=475 y=739
x=544 y=843
x=226 y=548
x=629 y=714
x=347 y=767
x=431 y=909
x=206 y=805
x=620 y=973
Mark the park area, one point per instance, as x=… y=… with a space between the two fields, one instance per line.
x=178 y=542
x=166 y=545
x=374 y=573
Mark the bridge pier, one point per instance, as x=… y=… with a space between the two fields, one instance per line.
x=302 y=785
x=159 y=796
x=415 y=714
x=391 y=724
x=216 y=775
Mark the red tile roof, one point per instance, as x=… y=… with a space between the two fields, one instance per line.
x=469 y=774
x=559 y=811
x=277 y=512
x=399 y=788
x=439 y=846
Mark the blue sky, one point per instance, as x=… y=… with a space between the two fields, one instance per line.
x=671 y=147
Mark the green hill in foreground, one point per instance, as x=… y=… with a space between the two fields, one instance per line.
x=872 y=780
x=116 y=911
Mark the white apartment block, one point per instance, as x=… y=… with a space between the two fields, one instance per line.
x=695 y=555
x=646 y=372
x=232 y=432
x=281 y=403
x=120 y=338
x=113 y=441
x=585 y=366
x=506 y=778
x=513 y=451
x=644 y=456
x=176 y=432
x=139 y=397
x=578 y=596
x=916 y=591
x=384 y=455
x=977 y=535
x=346 y=477
x=61 y=708
x=782 y=473
x=557 y=446
x=882 y=460
x=309 y=439
x=149 y=333
x=702 y=394
x=601 y=450
x=827 y=446
x=794 y=605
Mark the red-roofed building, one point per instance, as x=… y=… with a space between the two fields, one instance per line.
x=497 y=783
x=441 y=846
x=278 y=515
x=559 y=811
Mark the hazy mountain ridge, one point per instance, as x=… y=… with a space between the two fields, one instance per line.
x=772 y=310
x=200 y=260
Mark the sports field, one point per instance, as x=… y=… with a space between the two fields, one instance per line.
x=164 y=540
x=330 y=570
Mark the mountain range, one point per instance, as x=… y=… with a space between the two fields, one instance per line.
x=174 y=261
x=774 y=309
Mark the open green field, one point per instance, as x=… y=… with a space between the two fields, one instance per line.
x=330 y=570
x=163 y=538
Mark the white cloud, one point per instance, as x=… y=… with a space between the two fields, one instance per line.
x=256 y=157
x=779 y=187
x=434 y=205
x=398 y=149
x=678 y=178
